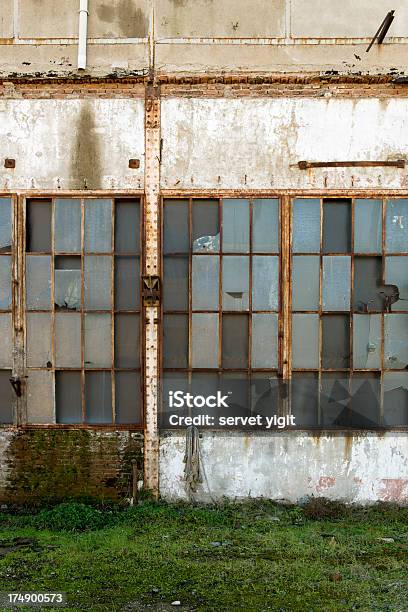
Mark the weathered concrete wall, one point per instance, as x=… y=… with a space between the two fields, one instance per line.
x=257 y=143
x=72 y=144
x=360 y=469
x=50 y=466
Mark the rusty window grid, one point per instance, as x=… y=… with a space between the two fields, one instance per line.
x=220 y=312
x=351 y=370
x=113 y=369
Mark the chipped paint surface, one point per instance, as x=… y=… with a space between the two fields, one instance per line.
x=72 y=144
x=365 y=470
x=257 y=143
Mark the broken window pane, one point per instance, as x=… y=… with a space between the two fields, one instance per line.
x=98 y=397
x=98 y=340
x=235 y=282
x=40 y=397
x=175 y=283
x=68 y=397
x=67 y=340
x=127 y=341
x=336 y=226
x=6 y=397
x=336 y=341
x=236 y=385
x=305 y=398
x=206 y=226
x=306 y=226
x=68 y=283
x=67 y=226
x=175 y=341
x=98 y=278
x=365 y=400
x=205 y=282
x=235 y=226
x=205 y=340
x=264 y=340
x=6 y=340
x=367 y=284
x=395 y=399
x=127 y=394
x=5 y=282
x=265 y=282
x=6 y=225
x=175 y=227
x=265 y=226
x=396 y=226
x=266 y=393
x=98 y=226
x=127 y=283
x=336 y=282
x=368 y=226
x=38 y=226
x=335 y=400
x=39 y=347
x=396 y=273
x=396 y=341
x=366 y=341
x=235 y=341
x=305 y=340
x=127 y=226
x=305 y=282
x=38 y=282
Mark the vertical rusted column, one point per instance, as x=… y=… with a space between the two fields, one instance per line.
x=18 y=309
x=152 y=200
x=286 y=299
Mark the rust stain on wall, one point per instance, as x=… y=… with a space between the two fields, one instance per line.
x=394 y=490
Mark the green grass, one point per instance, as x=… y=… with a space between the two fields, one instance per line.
x=233 y=557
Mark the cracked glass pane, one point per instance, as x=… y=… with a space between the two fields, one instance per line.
x=204 y=342
x=175 y=227
x=367 y=288
x=305 y=398
x=368 y=226
x=206 y=226
x=98 y=226
x=395 y=399
x=336 y=282
x=68 y=397
x=305 y=340
x=175 y=341
x=6 y=225
x=266 y=390
x=6 y=397
x=396 y=273
x=97 y=280
x=67 y=340
x=265 y=282
x=127 y=395
x=336 y=226
x=175 y=283
x=365 y=400
x=335 y=399
x=5 y=282
x=38 y=282
x=265 y=226
x=367 y=341
x=98 y=397
x=396 y=226
x=38 y=226
x=127 y=341
x=306 y=226
x=235 y=341
x=39 y=347
x=396 y=341
x=127 y=226
x=127 y=283
x=305 y=282
x=98 y=340
x=235 y=282
x=264 y=340
x=6 y=335
x=68 y=283
x=205 y=282
x=235 y=226
x=335 y=341
x=67 y=226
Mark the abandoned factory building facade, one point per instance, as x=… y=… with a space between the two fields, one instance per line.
x=211 y=198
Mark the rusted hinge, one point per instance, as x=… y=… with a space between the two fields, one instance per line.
x=151 y=290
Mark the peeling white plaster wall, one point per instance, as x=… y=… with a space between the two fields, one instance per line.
x=257 y=143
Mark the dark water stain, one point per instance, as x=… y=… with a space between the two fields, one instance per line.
x=131 y=20
x=86 y=169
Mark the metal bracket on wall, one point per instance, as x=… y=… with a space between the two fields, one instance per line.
x=151 y=290
x=397 y=163
x=382 y=30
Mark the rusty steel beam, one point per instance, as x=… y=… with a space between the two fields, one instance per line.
x=305 y=165
x=152 y=268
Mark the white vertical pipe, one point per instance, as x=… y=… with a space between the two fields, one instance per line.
x=82 y=33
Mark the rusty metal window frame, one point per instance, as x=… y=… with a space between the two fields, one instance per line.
x=20 y=366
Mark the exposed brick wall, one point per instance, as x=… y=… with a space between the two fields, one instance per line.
x=49 y=466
